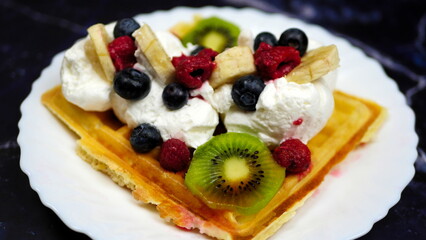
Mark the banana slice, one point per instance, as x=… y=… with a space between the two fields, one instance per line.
x=100 y=40
x=154 y=54
x=232 y=64
x=315 y=64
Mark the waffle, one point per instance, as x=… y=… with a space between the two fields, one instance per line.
x=103 y=142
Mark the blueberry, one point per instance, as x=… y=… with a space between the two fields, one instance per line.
x=175 y=96
x=125 y=26
x=296 y=38
x=145 y=137
x=132 y=84
x=246 y=92
x=197 y=50
x=266 y=37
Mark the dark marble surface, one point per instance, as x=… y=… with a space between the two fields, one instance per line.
x=32 y=32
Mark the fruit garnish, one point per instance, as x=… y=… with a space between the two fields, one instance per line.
x=315 y=64
x=234 y=171
x=125 y=27
x=175 y=96
x=192 y=71
x=265 y=37
x=100 y=40
x=156 y=59
x=208 y=53
x=180 y=29
x=174 y=155
x=214 y=33
x=293 y=155
x=294 y=37
x=122 y=52
x=132 y=84
x=246 y=92
x=145 y=137
x=232 y=64
x=275 y=62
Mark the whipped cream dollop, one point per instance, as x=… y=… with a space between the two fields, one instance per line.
x=194 y=123
x=284 y=109
x=83 y=84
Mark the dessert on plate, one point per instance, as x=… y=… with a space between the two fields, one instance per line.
x=223 y=132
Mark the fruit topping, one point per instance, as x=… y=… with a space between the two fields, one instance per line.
x=145 y=137
x=132 y=84
x=294 y=37
x=265 y=37
x=275 y=62
x=125 y=27
x=208 y=53
x=180 y=29
x=192 y=71
x=234 y=171
x=157 y=61
x=174 y=155
x=122 y=52
x=175 y=96
x=100 y=39
x=214 y=33
x=246 y=92
x=294 y=155
x=315 y=64
x=232 y=64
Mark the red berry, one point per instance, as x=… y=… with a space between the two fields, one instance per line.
x=294 y=155
x=192 y=71
x=122 y=52
x=174 y=155
x=208 y=53
x=275 y=62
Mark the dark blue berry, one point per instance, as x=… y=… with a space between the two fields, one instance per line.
x=145 y=137
x=265 y=37
x=175 y=96
x=296 y=38
x=196 y=50
x=125 y=26
x=246 y=92
x=132 y=84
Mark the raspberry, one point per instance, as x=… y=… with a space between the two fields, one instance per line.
x=192 y=71
x=275 y=62
x=294 y=155
x=122 y=52
x=174 y=155
x=208 y=53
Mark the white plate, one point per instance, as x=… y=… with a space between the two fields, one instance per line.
x=356 y=194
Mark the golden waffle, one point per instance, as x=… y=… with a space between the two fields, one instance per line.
x=104 y=144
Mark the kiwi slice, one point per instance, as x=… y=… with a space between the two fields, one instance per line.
x=234 y=171
x=214 y=33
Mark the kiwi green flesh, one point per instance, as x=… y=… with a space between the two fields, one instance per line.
x=257 y=177
x=214 y=33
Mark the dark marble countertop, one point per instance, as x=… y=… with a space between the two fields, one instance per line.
x=392 y=32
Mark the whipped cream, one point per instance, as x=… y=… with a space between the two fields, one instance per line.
x=194 y=123
x=85 y=87
x=82 y=82
x=284 y=109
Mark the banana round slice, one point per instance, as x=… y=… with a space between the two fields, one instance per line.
x=315 y=64
x=100 y=40
x=151 y=50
